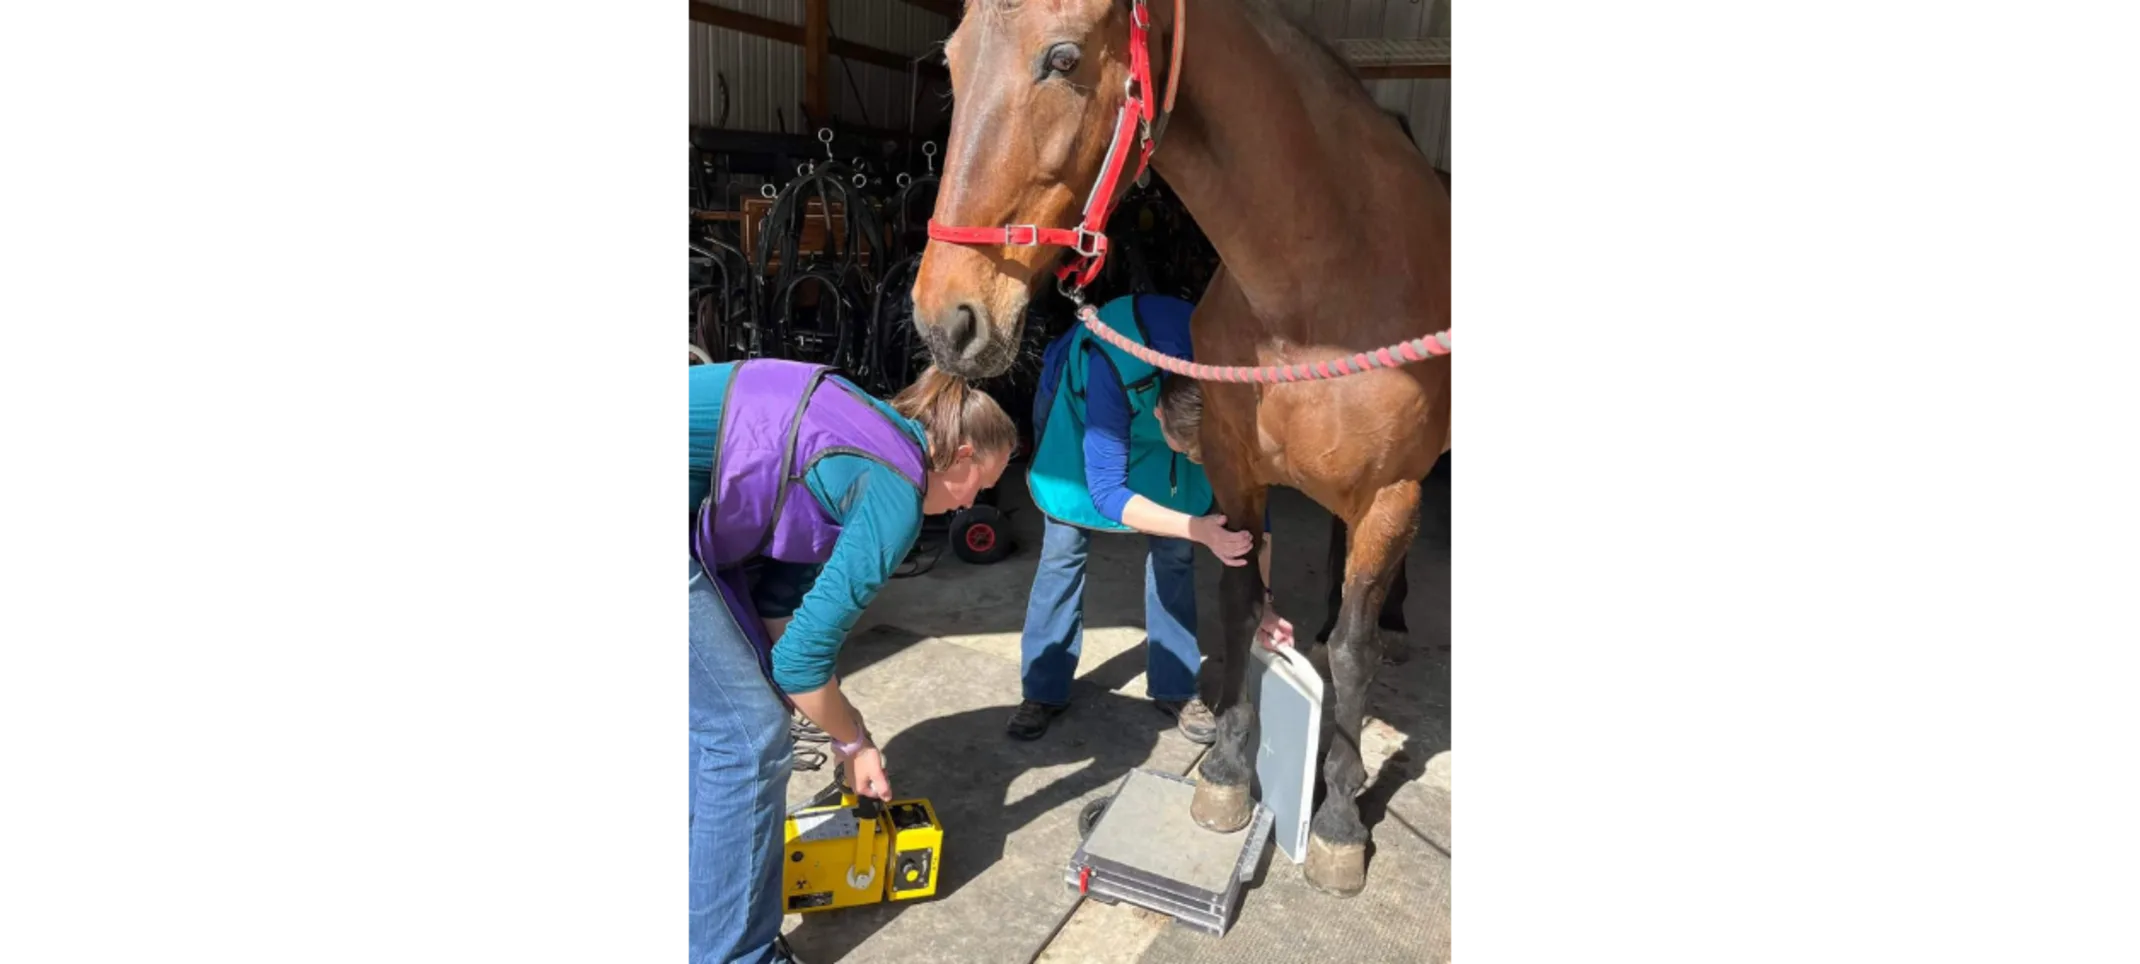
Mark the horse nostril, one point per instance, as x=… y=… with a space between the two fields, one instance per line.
x=963 y=328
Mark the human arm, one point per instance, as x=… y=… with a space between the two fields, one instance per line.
x=827 y=707
x=1106 y=444
x=879 y=513
x=779 y=591
x=1151 y=518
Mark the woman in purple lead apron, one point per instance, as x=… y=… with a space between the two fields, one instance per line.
x=806 y=493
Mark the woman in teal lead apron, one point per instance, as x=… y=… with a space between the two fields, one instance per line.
x=1101 y=464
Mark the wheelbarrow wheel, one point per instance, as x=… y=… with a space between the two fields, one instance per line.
x=1089 y=817
x=978 y=535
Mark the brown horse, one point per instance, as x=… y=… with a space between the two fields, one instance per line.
x=1334 y=233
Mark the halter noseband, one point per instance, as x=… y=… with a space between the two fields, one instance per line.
x=1089 y=238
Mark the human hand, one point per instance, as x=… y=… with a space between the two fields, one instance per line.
x=1274 y=632
x=1229 y=546
x=865 y=774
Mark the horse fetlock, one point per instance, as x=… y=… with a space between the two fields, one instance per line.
x=1337 y=869
x=1338 y=823
x=1221 y=807
x=1226 y=763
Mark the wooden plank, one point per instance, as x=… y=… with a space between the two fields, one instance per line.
x=1404 y=72
x=931 y=66
x=817 y=29
x=944 y=8
x=1426 y=50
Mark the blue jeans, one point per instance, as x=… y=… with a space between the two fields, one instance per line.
x=740 y=758
x=1055 y=616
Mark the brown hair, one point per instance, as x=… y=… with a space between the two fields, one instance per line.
x=953 y=413
x=1181 y=403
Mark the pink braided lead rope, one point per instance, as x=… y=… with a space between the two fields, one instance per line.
x=1402 y=353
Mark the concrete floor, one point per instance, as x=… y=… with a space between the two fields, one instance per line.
x=934 y=667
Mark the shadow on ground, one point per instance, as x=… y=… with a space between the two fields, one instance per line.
x=1008 y=807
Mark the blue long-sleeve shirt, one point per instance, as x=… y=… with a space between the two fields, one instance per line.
x=1107 y=414
x=879 y=518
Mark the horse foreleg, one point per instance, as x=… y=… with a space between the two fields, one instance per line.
x=1222 y=801
x=1337 y=845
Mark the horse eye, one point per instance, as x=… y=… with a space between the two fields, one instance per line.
x=1062 y=58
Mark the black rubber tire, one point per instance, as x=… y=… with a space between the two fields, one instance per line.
x=979 y=537
x=1089 y=817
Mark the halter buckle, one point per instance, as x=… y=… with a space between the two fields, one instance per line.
x=1140 y=15
x=1089 y=243
x=1032 y=235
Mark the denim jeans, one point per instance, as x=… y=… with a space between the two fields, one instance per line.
x=1055 y=616
x=740 y=758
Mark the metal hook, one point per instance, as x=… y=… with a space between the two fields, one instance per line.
x=824 y=136
x=767 y=190
x=928 y=150
x=903 y=180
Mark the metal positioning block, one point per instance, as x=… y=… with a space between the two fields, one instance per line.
x=1145 y=849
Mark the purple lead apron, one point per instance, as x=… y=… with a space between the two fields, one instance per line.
x=777 y=419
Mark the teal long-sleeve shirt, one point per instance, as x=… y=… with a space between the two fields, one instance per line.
x=879 y=518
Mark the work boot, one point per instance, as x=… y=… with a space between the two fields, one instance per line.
x=1196 y=721
x=1031 y=719
x=782 y=953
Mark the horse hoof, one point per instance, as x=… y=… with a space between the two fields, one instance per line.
x=1339 y=870
x=1220 y=808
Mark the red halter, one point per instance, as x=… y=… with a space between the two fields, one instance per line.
x=1089 y=238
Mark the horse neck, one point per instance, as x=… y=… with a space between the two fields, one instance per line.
x=1247 y=150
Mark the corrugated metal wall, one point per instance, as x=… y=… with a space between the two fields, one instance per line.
x=764 y=78
x=1424 y=103
x=898 y=27
x=739 y=81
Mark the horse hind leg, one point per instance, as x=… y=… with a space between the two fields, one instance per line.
x=1392 y=619
x=1337 y=844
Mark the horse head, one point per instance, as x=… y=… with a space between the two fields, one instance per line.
x=1040 y=86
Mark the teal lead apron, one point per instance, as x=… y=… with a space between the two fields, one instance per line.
x=1056 y=477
